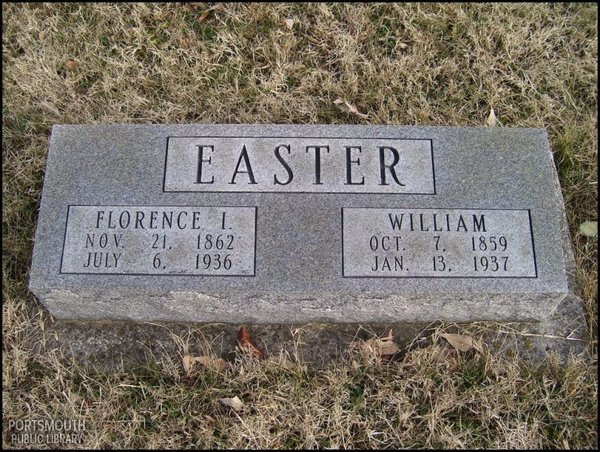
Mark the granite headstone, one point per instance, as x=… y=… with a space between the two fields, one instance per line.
x=299 y=223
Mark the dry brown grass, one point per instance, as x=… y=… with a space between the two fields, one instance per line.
x=535 y=64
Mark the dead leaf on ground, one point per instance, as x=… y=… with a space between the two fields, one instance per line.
x=350 y=108
x=385 y=347
x=71 y=65
x=491 y=120
x=204 y=16
x=289 y=23
x=247 y=343
x=387 y=344
x=233 y=402
x=462 y=342
x=206 y=361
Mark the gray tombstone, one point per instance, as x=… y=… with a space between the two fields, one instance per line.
x=300 y=223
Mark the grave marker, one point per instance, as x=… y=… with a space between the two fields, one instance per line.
x=300 y=223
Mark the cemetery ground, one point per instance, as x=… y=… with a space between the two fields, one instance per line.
x=535 y=65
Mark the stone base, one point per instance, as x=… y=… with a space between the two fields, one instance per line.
x=121 y=345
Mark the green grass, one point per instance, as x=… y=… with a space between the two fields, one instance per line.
x=426 y=64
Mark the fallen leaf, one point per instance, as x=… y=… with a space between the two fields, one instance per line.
x=402 y=45
x=491 y=121
x=589 y=228
x=206 y=361
x=461 y=342
x=215 y=363
x=188 y=363
x=209 y=419
x=71 y=65
x=289 y=23
x=246 y=342
x=351 y=108
x=384 y=347
x=204 y=16
x=387 y=345
x=234 y=403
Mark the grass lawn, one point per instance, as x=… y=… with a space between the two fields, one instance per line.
x=535 y=65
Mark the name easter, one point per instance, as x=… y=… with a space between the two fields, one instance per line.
x=296 y=164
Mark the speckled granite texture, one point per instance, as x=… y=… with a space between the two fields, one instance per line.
x=298 y=269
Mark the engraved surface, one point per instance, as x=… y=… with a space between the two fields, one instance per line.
x=293 y=256
x=159 y=240
x=447 y=243
x=307 y=165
